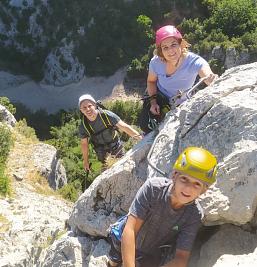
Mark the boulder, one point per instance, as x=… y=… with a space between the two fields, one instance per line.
x=39 y=158
x=228 y=240
x=31 y=222
x=223 y=120
x=47 y=164
x=72 y=251
x=244 y=260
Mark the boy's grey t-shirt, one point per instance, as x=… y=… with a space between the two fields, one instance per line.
x=162 y=224
x=104 y=137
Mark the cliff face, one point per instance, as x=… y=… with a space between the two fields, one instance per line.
x=58 y=41
x=33 y=216
x=221 y=118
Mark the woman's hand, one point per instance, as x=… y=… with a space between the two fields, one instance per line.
x=211 y=77
x=155 y=109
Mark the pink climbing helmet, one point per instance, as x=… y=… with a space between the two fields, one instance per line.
x=165 y=32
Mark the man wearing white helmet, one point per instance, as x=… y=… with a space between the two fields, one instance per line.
x=99 y=125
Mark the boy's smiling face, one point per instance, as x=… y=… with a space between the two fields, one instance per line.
x=186 y=189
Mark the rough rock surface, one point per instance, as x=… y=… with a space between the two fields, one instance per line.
x=62 y=67
x=33 y=216
x=228 y=240
x=223 y=121
x=230 y=57
x=46 y=162
x=40 y=158
x=72 y=251
x=31 y=223
x=6 y=116
x=245 y=260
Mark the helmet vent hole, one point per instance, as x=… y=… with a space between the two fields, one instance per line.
x=183 y=161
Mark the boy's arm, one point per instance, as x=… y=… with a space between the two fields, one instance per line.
x=180 y=260
x=128 y=241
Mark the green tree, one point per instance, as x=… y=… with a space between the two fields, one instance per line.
x=234 y=17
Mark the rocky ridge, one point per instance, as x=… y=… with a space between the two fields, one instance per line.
x=33 y=216
x=221 y=118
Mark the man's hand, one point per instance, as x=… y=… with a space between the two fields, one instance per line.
x=86 y=166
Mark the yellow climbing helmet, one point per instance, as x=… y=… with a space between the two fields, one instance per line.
x=198 y=163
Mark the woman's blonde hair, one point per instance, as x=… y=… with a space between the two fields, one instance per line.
x=183 y=44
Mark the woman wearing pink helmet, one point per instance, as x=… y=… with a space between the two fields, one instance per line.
x=172 y=70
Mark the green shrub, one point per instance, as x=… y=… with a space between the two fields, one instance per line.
x=5 y=142
x=5 y=146
x=22 y=127
x=216 y=66
x=4 y=101
x=4 y=181
x=234 y=17
x=69 y=191
x=128 y=110
x=249 y=40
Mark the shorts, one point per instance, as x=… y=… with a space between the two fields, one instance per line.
x=116 y=150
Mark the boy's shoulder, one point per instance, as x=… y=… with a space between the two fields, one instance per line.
x=195 y=210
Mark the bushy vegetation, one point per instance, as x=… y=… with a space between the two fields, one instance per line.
x=4 y=181
x=5 y=146
x=4 y=101
x=127 y=110
x=5 y=142
x=26 y=131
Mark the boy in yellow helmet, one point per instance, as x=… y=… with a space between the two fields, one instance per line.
x=164 y=212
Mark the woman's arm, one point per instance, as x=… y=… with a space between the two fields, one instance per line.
x=206 y=71
x=128 y=241
x=152 y=90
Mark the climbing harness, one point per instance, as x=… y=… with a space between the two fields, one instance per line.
x=168 y=104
